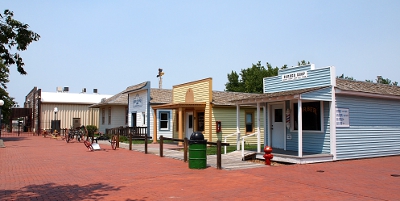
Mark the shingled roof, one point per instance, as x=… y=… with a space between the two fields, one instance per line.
x=158 y=96
x=226 y=97
x=367 y=87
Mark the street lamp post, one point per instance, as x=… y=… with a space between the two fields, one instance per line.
x=55 y=116
x=1 y=104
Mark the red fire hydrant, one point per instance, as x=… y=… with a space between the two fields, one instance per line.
x=268 y=156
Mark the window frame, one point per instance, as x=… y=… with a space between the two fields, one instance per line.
x=167 y=120
x=109 y=115
x=252 y=121
x=294 y=105
x=103 y=116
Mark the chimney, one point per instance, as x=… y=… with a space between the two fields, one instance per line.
x=379 y=79
x=95 y=91
x=66 y=89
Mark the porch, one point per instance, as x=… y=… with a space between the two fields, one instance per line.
x=286 y=156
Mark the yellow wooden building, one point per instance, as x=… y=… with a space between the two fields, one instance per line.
x=196 y=107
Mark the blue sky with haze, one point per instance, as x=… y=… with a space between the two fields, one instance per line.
x=110 y=45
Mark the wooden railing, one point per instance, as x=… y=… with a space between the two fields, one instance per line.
x=135 y=132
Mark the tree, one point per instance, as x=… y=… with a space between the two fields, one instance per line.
x=13 y=34
x=346 y=77
x=382 y=80
x=250 y=80
x=5 y=109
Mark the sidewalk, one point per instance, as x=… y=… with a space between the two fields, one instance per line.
x=37 y=168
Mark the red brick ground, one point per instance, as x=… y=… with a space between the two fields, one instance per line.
x=37 y=168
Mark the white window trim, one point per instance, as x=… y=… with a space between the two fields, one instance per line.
x=321 y=110
x=168 y=121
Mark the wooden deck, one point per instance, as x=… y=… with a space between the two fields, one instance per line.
x=230 y=161
x=286 y=156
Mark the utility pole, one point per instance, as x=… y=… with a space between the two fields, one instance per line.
x=160 y=74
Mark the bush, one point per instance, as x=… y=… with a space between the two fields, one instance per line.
x=91 y=129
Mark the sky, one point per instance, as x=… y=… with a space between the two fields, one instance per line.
x=110 y=45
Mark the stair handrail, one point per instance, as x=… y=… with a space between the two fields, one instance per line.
x=246 y=136
x=237 y=140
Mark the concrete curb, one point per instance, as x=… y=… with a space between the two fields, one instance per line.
x=2 y=144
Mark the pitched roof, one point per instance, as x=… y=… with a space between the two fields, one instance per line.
x=289 y=94
x=158 y=96
x=76 y=98
x=227 y=97
x=367 y=87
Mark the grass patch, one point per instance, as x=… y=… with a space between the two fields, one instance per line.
x=212 y=150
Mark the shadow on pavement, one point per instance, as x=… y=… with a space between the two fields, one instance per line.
x=52 y=191
x=5 y=139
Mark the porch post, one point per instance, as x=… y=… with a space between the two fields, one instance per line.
x=268 y=115
x=258 y=128
x=238 y=126
x=265 y=119
x=180 y=126
x=154 y=126
x=300 y=127
x=332 y=126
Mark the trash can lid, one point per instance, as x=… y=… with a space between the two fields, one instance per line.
x=197 y=136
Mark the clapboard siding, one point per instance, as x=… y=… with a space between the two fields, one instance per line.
x=66 y=113
x=201 y=91
x=374 y=128
x=322 y=95
x=315 y=78
x=227 y=116
x=313 y=142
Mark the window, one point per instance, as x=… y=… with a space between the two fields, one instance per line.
x=278 y=115
x=200 y=121
x=249 y=122
x=126 y=115
x=164 y=120
x=109 y=115
x=144 y=118
x=311 y=113
x=103 y=116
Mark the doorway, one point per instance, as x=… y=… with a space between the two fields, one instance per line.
x=133 y=122
x=277 y=126
x=189 y=124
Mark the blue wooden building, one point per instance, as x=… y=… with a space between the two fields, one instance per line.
x=312 y=116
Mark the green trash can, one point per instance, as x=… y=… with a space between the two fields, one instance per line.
x=197 y=151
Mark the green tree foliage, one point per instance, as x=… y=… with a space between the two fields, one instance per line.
x=346 y=77
x=382 y=80
x=13 y=35
x=250 y=80
x=8 y=103
x=91 y=129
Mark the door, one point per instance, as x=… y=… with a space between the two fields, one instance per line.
x=277 y=127
x=189 y=124
x=76 y=122
x=133 y=119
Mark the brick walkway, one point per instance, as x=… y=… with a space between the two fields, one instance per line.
x=37 y=168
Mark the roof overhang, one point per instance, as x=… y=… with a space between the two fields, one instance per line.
x=365 y=94
x=180 y=105
x=277 y=96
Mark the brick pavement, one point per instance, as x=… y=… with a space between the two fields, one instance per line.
x=37 y=168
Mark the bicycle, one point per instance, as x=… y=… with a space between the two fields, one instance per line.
x=72 y=134
x=113 y=142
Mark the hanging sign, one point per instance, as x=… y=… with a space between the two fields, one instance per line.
x=342 y=117
x=294 y=76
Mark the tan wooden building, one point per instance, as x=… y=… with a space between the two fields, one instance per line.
x=70 y=109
